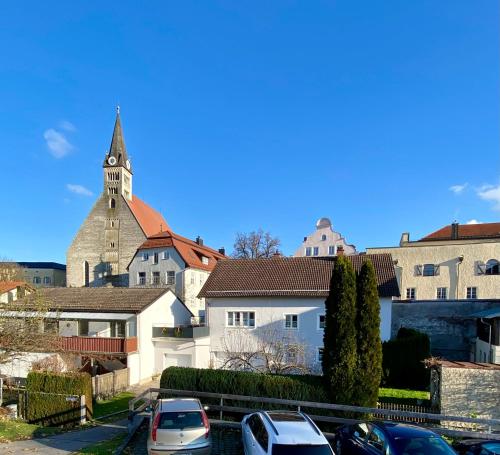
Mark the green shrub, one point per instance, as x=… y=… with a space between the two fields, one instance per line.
x=47 y=401
x=402 y=360
x=297 y=387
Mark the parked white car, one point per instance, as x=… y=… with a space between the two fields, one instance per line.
x=282 y=433
x=179 y=426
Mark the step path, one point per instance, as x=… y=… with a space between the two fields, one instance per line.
x=66 y=443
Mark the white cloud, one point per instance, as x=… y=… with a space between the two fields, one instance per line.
x=473 y=221
x=79 y=189
x=490 y=193
x=458 y=189
x=66 y=125
x=57 y=143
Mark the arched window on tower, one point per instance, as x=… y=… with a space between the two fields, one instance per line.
x=112 y=203
x=86 y=274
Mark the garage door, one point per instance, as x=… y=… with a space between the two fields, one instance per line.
x=176 y=360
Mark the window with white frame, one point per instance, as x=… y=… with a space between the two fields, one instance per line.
x=47 y=280
x=321 y=321
x=241 y=319
x=170 y=277
x=155 y=278
x=441 y=293
x=331 y=250
x=166 y=255
x=155 y=258
x=145 y=256
x=411 y=293
x=315 y=251
x=472 y=292
x=291 y=321
x=37 y=280
x=142 y=278
x=308 y=251
x=204 y=260
x=319 y=356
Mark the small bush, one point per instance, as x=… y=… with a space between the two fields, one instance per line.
x=402 y=360
x=46 y=395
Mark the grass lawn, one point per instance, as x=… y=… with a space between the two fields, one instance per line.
x=105 y=447
x=13 y=430
x=115 y=404
x=404 y=393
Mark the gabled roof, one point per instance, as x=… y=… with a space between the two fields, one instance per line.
x=149 y=219
x=466 y=232
x=190 y=252
x=109 y=300
x=6 y=286
x=290 y=276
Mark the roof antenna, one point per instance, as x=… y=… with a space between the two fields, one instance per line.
x=161 y=227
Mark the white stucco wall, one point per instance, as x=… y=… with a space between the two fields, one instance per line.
x=269 y=315
x=456 y=278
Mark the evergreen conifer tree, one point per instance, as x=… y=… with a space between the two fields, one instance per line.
x=369 y=346
x=339 y=354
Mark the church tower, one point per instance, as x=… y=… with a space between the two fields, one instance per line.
x=117 y=225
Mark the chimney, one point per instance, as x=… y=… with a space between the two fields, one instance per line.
x=340 y=250
x=199 y=241
x=454 y=230
x=276 y=254
x=222 y=250
x=405 y=238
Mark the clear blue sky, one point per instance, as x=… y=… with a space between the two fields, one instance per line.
x=239 y=115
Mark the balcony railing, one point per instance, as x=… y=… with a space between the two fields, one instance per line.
x=181 y=332
x=102 y=345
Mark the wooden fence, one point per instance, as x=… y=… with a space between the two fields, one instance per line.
x=478 y=428
x=407 y=408
x=109 y=384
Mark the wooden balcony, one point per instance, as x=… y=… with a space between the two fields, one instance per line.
x=99 y=345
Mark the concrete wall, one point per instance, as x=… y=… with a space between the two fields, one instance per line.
x=453 y=275
x=448 y=323
x=92 y=244
x=57 y=277
x=469 y=392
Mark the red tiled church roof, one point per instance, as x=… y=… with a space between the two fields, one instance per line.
x=149 y=219
x=466 y=231
x=190 y=251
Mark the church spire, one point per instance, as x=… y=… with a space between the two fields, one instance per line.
x=117 y=155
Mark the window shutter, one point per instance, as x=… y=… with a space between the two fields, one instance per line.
x=436 y=270
x=418 y=270
x=480 y=268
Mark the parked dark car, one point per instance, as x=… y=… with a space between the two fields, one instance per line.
x=477 y=447
x=387 y=438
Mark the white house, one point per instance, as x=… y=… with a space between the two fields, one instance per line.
x=145 y=329
x=175 y=262
x=250 y=299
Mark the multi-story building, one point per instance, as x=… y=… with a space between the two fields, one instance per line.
x=183 y=265
x=455 y=262
x=117 y=225
x=44 y=274
x=324 y=241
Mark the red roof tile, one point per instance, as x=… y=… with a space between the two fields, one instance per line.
x=466 y=231
x=6 y=286
x=290 y=276
x=190 y=251
x=149 y=219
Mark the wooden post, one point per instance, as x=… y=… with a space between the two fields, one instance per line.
x=83 y=410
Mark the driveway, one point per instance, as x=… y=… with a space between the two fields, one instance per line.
x=66 y=443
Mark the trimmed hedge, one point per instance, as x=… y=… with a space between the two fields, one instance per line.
x=297 y=387
x=46 y=397
x=402 y=360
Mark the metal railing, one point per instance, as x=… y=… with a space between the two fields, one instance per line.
x=482 y=428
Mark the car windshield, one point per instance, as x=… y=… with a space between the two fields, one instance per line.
x=285 y=449
x=430 y=445
x=492 y=447
x=180 y=420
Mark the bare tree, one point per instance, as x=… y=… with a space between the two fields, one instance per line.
x=10 y=271
x=256 y=244
x=267 y=350
x=24 y=327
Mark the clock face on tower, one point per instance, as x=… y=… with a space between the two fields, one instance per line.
x=112 y=160
x=127 y=163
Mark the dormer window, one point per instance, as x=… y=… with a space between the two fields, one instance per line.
x=204 y=260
